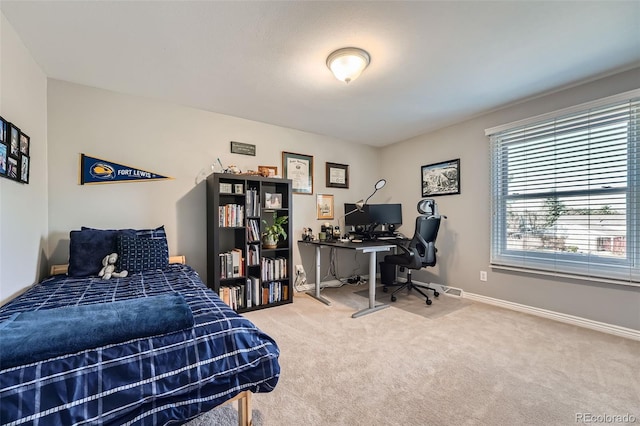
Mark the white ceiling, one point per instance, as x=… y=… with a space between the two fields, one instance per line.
x=432 y=63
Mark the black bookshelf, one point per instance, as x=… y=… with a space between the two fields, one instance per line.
x=235 y=212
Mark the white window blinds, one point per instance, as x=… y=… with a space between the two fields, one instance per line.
x=565 y=192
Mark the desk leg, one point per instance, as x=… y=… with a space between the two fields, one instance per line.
x=372 y=289
x=316 y=293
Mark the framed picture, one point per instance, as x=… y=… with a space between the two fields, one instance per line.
x=272 y=200
x=298 y=168
x=24 y=143
x=324 y=203
x=3 y=159
x=3 y=130
x=12 y=168
x=268 y=171
x=441 y=178
x=337 y=175
x=14 y=140
x=24 y=169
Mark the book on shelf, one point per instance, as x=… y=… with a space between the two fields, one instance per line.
x=236 y=255
x=232 y=264
x=231 y=215
x=253 y=205
x=255 y=291
x=253 y=254
x=253 y=230
x=274 y=291
x=273 y=268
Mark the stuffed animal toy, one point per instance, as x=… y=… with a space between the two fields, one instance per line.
x=109 y=267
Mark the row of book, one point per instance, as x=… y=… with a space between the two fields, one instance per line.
x=253 y=254
x=272 y=269
x=231 y=264
x=252 y=202
x=253 y=230
x=231 y=215
x=253 y=293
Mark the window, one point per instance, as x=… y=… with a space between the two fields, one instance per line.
x=565 y=191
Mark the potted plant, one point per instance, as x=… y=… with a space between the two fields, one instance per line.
x=273 y=232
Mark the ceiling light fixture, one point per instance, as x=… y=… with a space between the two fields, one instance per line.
x=348 y=63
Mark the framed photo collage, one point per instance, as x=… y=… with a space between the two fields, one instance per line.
x=15 y=160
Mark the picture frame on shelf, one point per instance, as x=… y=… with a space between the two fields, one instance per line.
x=441 y=178
x=272 y=200
x=14 y=140
x=299 y=169
x=324 y=203
x=24 y=169
x=268 y=171
x=337 y=175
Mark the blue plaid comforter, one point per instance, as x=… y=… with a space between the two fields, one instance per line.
x=159 y=380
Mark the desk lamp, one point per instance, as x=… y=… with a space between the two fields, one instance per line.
x=360 y=203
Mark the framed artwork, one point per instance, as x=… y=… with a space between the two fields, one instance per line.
x=3 y=159
x=324 y=204
x=298 y=168
x=3 y=130
x=24 y=143
x=272 y=200
x=268 y=171
x=337 y=175
x=441 y=178
x=14 y=140
x=24 y=169
x=12 y=168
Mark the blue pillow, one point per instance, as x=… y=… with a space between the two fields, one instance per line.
x=138 y=254
x=158 y=233
x=88 y=247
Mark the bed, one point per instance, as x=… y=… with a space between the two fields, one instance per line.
x=154 y=380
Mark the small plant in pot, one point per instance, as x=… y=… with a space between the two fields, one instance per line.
x=273 y=232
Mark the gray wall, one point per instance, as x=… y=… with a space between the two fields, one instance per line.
x=23 y=208
x=463 y=241
x=180 y=142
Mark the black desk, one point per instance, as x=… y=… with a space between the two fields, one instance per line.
x=371 y=247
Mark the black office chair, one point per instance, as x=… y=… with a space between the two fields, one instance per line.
x=421 y=250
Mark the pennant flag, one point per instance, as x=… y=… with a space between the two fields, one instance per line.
x=94 y=170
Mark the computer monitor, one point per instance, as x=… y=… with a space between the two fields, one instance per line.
x=357 y=218
x=386 y=214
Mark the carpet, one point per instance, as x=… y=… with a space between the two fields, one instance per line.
x=409 y=301
x=226 y=415
x=477 y=366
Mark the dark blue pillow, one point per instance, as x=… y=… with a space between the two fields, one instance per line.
x=88 y=247
x=138 y=254
x=158 y=233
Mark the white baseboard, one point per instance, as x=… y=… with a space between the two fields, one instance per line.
x=628 y=333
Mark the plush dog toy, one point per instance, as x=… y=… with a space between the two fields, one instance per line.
x=109 y=267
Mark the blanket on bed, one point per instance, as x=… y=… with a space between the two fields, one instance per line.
x=164 y=379
x=32 y=336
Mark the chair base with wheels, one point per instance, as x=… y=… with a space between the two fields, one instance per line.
x=410 y=285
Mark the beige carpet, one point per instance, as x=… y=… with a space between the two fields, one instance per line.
x=410 y=301
x=479 y=365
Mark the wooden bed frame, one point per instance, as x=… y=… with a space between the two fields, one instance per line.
x=243 y=398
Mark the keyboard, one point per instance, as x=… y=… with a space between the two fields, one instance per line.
x=390 y=237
